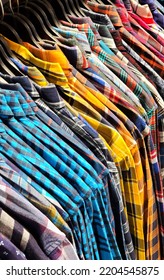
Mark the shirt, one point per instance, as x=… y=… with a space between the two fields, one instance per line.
x=25 y=241
x=51 y=240
x=83 y=192
x=23 y=186
x=147 y=55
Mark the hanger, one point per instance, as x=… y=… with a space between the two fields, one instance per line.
x=82 y=4
x=59 y=6
x=6 y=29
x=75 y=7
x=4 y=69
x=20 y=26
x=49 y=11
x=8 y=63
x=29 y=23
x=44 y=18
x=6 y=48
x=37 y=21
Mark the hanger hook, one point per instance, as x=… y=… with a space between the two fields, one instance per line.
x=2 y=10
x=26 y=2
x=17 y=6
x=11 y=7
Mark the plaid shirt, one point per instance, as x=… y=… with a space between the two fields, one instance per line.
x=144 y=23
x=145 y=164
x=144 y=12
x=44 y=182
x=21 y=185
x=83 y=103
x=52 y=241
x=143 y=51
x=8 y=251
x=106 y=28
x=122 y=61
x=81 y=185
x=141 y=35
x=107 y=59
x=151 y=116
x=25 y=241
x=51 y=68
x=31 y=140
x=125 y=225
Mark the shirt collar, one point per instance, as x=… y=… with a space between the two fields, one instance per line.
x=51 y=95
x=99 y=18
x=24 y=81
x=86 y=29
x=143 y=11
x=54 y=70
x=79 y=36
x=20 y=93
x=53 y=56
x=86 y=20
x=31 y=71
x=107 y=10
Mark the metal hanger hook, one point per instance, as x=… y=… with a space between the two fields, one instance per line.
x=11 y=7
x=2 y=10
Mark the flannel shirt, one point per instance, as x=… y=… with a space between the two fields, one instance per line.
x=142 y=50
x=87 y=109
x=107 y=59
x=144 y=23
x=77 y=86
x=52 y=241
x=145 y=164
x=103 y=23
x=144 y=12
x=120 y=60
x=25 y=241
x=89 y=207
x=85 y=177
x=130 y=246
x=140 y=34
x=51 y=69
x=21 y=185
x=45 y=183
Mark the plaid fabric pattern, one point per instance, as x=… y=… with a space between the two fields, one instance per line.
x=145 y=163
x=26 y=242
x=120 y=59
x=106 y=29
x=105 y=216
x=107 y=59
x=87 y=108
x=148 y=69
x=140 y=34
x=141 y=21
x=143 y=51
x=144 y=12
x=76 y=108
x=33 y=196
x=54 y=243
x=46 y=184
